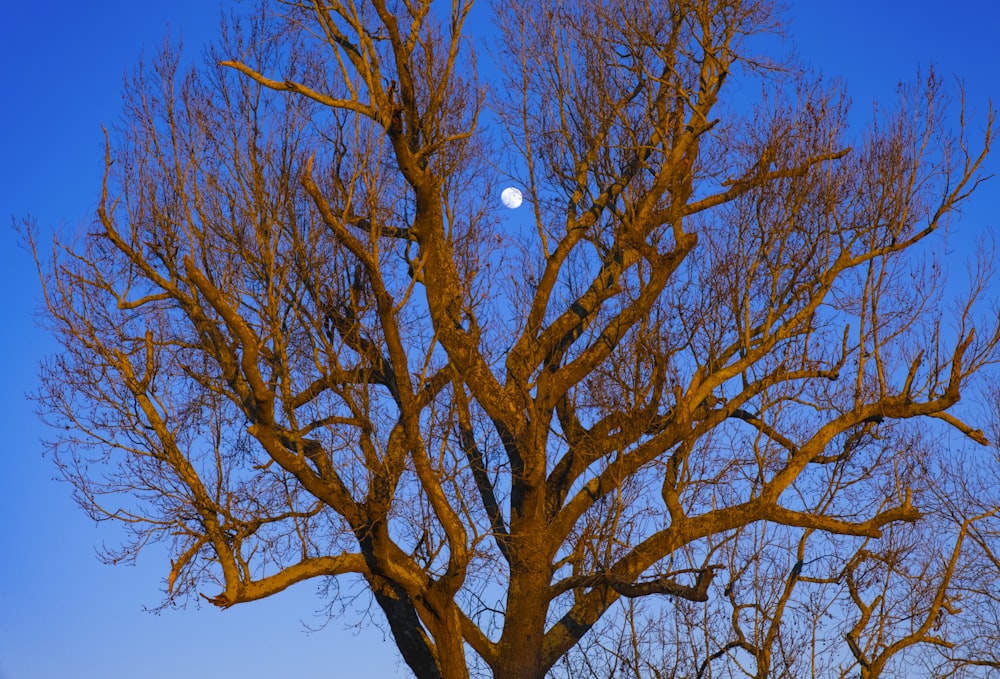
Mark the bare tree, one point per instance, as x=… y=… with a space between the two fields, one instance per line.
x=299 y=342
x=801 y=603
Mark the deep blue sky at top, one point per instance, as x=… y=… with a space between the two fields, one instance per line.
x=62 y=614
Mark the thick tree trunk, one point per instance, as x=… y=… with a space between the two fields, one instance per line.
x=520 y=651
x=406 y=629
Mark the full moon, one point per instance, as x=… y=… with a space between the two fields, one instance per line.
x=511 y=197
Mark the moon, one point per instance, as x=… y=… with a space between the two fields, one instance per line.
x=511 y=197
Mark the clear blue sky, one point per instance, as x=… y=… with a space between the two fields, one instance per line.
x=62 y=613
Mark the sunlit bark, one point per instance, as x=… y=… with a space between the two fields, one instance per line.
x=299 y=341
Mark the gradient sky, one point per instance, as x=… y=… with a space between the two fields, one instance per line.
x=65 y=615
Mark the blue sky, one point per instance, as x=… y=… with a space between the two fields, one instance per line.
x=62 y=613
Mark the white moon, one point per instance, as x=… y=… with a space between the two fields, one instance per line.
x=511 y=197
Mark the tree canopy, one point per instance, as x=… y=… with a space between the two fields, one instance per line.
x=693 y=411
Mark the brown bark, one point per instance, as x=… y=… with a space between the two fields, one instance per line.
x=301 y=337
